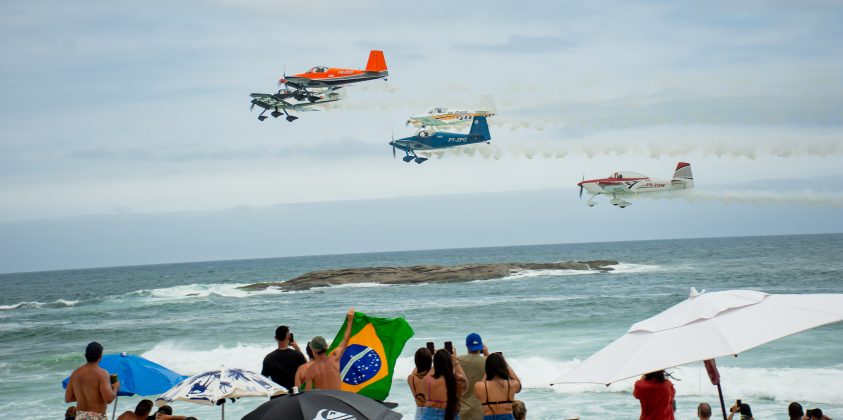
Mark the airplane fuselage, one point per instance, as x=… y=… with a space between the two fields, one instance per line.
x=629 y=186
x=435 y=141
x=332 y=78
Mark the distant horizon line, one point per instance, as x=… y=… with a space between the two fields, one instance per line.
x=4 y=274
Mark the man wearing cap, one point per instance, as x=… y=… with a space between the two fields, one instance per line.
x=324 y=371
x=90 y=386
x=474 y=366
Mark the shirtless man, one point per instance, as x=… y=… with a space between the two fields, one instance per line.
x=90 y=386
x=299 y=380
x=324 y=370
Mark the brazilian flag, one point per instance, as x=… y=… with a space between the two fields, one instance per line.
x=367 y=364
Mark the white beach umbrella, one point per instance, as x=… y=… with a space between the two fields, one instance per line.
x=213 y=387
x=706 y=326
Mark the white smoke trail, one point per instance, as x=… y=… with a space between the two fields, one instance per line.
x=804 y=198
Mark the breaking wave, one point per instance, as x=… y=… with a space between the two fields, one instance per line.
x=193 y=291
x=60 y=303
x=622 y=268
x=190 y=361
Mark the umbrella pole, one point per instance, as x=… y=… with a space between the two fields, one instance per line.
x=722 y=405
x=114 y=411
x=223 y=411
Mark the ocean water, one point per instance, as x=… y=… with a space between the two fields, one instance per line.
x=192 y=317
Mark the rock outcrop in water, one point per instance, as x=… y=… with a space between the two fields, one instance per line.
x=423 y=274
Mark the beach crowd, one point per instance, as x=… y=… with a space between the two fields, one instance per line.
x=444 y=385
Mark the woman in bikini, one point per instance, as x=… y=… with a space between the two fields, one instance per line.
x=443 y=386
x=424 y=360
x=497 y=391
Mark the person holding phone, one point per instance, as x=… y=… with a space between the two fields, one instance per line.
x=742 y=409
x=474 y=365
x=424 y=361
x=496 y=392
x=443 y=386
x=656 y=394
x=282 y=363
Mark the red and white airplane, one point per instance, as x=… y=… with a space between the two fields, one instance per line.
x=626 y=183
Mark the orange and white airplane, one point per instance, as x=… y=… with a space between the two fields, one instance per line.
x=441 y=118
x=320 y=77
x=626 y=184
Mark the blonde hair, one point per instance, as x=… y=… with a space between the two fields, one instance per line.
x=519 y=410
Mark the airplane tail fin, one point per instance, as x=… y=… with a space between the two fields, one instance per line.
x=376 y=62
x=487 y=105
x=682 y=176
x=479 y=127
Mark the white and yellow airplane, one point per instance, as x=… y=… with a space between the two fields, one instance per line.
x=441 y=118
x=627 y=184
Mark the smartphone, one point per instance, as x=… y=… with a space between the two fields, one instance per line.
x=113 y=377
x=431 y=347
x=738 y=402
x=291 y=337
x=449 y=346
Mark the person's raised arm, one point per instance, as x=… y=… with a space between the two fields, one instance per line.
x=107 y=389
x=512 y=375
x=349 y=319
x=69 y=396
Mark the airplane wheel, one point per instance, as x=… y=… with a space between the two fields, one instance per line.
x=262 y=117
x=291 y=118
x=407 y=159
x=275 y=114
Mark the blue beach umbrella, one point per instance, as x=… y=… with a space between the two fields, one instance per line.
x=138 y=376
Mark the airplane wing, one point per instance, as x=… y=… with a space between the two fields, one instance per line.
x=426 y=121
x=613 y=187
x=286 y=100
x=269 y=100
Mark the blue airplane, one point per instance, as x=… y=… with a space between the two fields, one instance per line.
x=426 y=140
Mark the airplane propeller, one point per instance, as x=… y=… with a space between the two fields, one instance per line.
x=392 y=143
x=252 y=107
x=583 y=178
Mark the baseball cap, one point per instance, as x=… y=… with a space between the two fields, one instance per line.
x=473 y=342
x=318 y=344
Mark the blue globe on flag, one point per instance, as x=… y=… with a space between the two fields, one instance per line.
x=359 y=364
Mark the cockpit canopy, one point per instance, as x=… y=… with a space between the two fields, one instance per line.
x=424 y=133
x=626 y=175
x=318 y=69
x=437 y=110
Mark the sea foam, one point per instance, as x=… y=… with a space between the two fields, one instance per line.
x=190 y=361
x=60 y=303
x=824 y=385
x=197 y=290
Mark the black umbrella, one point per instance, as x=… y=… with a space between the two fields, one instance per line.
x=322 y=404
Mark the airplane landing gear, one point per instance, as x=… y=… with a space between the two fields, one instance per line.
x=407 y=158
x=291 y=118
x=262 y=117
x=420 y=160
x=275 y=114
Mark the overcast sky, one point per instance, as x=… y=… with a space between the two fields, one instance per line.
x=133 y=108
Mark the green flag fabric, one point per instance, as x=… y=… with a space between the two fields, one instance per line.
x=367 y=364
